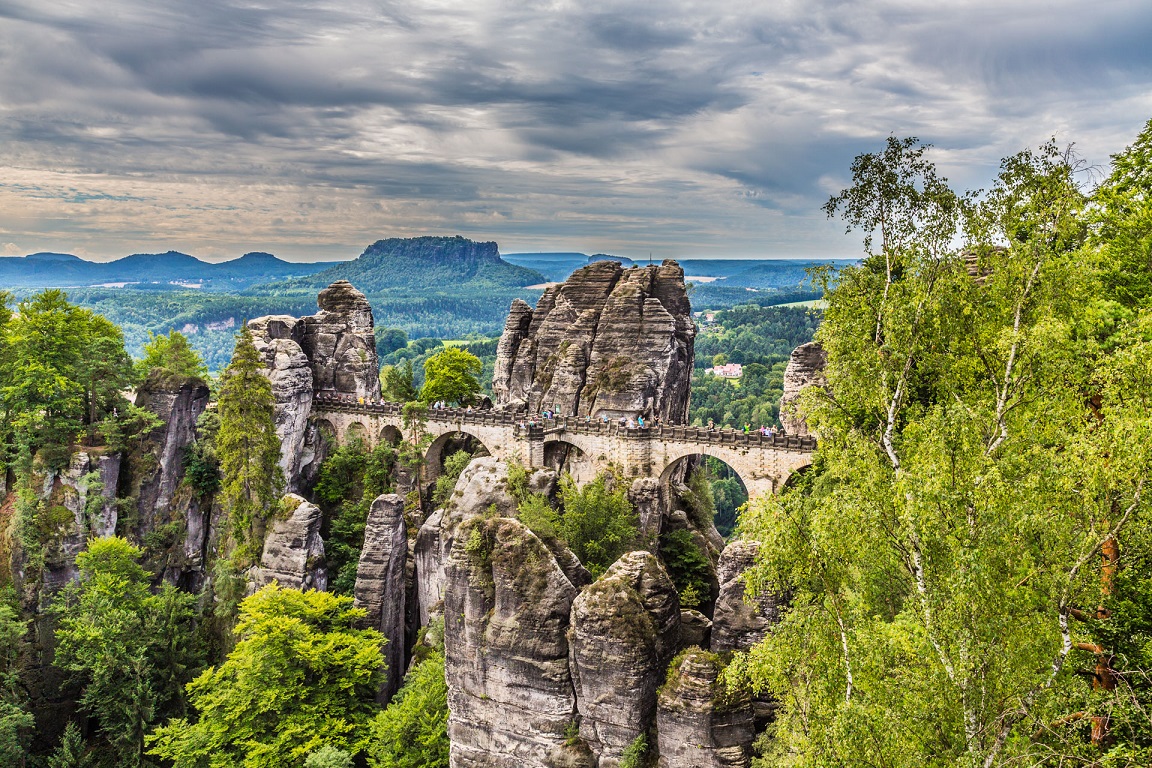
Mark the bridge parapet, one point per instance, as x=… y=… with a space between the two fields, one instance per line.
x=335 y=402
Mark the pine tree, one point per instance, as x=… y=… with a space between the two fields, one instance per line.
x=247 y=445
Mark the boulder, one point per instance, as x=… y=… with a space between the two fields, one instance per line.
x=625 y=629
x=380 y=583
x=695 y=629
x=607 y=341
x=805 y=369
x=701 y=723
x=506 y=612
x=293 y=550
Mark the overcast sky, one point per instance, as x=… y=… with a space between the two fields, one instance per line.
x=712 y=128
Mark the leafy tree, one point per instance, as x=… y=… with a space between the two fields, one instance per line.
x=62 y=372
x=247 y=446
x=451 y=375
x=596 y=521
x=172 y=357
x=413 y=731
x=350 y=480
x=688 y=567
x=980 y=456
x=301 y=677
x=72 y=751
x=388 y=340
x=396 y=383
x=329 y=757
x=132 y=650
x=16 y=722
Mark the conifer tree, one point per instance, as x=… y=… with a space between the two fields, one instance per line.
x=246 y=445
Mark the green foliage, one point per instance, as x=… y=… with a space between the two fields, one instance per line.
x=635 y=755
x=985 y=433
x=170 y=358
x=329 y=757
x=451 y=375
x=72 y=751
x=396 y=382
x=301 y=677
x=350 y=480
x=62 y=370
x=598 y=525
x=688 y=566
x=388 y=340
x=247 y=446
x=132 y=650
x=16 y=722
x=453 y=467
x=413 y=731
x=201 y=464
x=761 y=339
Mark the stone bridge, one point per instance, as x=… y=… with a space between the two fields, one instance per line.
x=583 y=447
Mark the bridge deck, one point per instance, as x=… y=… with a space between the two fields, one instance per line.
x=331 y=402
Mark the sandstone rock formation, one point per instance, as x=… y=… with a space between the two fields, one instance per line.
x=701 y=724
x=380 y=583
x=506 y=608
x=179 y=404
x=739 y=623
x=290 y=373
x=805 y=369
x=293 y=550
x=625 y=630
x=608 y=341
x=339 y=343
x=333 y=351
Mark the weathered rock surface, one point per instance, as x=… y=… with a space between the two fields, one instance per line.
x=607 y=341
x=647 y=497
x=72 y=491
x=339 y=343
x=737 y=623
x=700 y=723
x=805 y=369
x=290 y=373
x=380 y=583
x=293 y=551
x=155 y=481
x=695 y=629
x=506 y=609
x=625 y=630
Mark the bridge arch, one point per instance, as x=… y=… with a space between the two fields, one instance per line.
x=729 y=490
x=568 y=457
x=390 y=435
x=356 y=431
x=448 y=443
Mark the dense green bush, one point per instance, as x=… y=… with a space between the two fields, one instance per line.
x=413 y=731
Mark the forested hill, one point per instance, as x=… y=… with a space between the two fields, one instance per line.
x=58 y=270
x=423 y=263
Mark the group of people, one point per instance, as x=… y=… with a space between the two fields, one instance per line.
x=765 y=431
x=442 y=405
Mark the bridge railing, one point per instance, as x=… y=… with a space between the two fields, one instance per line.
x=345 y=403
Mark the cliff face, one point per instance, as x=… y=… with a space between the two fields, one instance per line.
x=608 y=341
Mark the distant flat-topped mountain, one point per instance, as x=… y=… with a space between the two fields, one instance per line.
x=426 y=262
x=63 y=270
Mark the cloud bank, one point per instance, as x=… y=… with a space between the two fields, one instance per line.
x=678 y=128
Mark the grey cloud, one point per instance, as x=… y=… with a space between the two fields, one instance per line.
x=694 y=126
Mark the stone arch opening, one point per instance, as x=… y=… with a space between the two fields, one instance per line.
x=565 y=457
x=795 y=477
x=702 y=480
x=391 y=435
x=448 y=444
x=356 y=431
